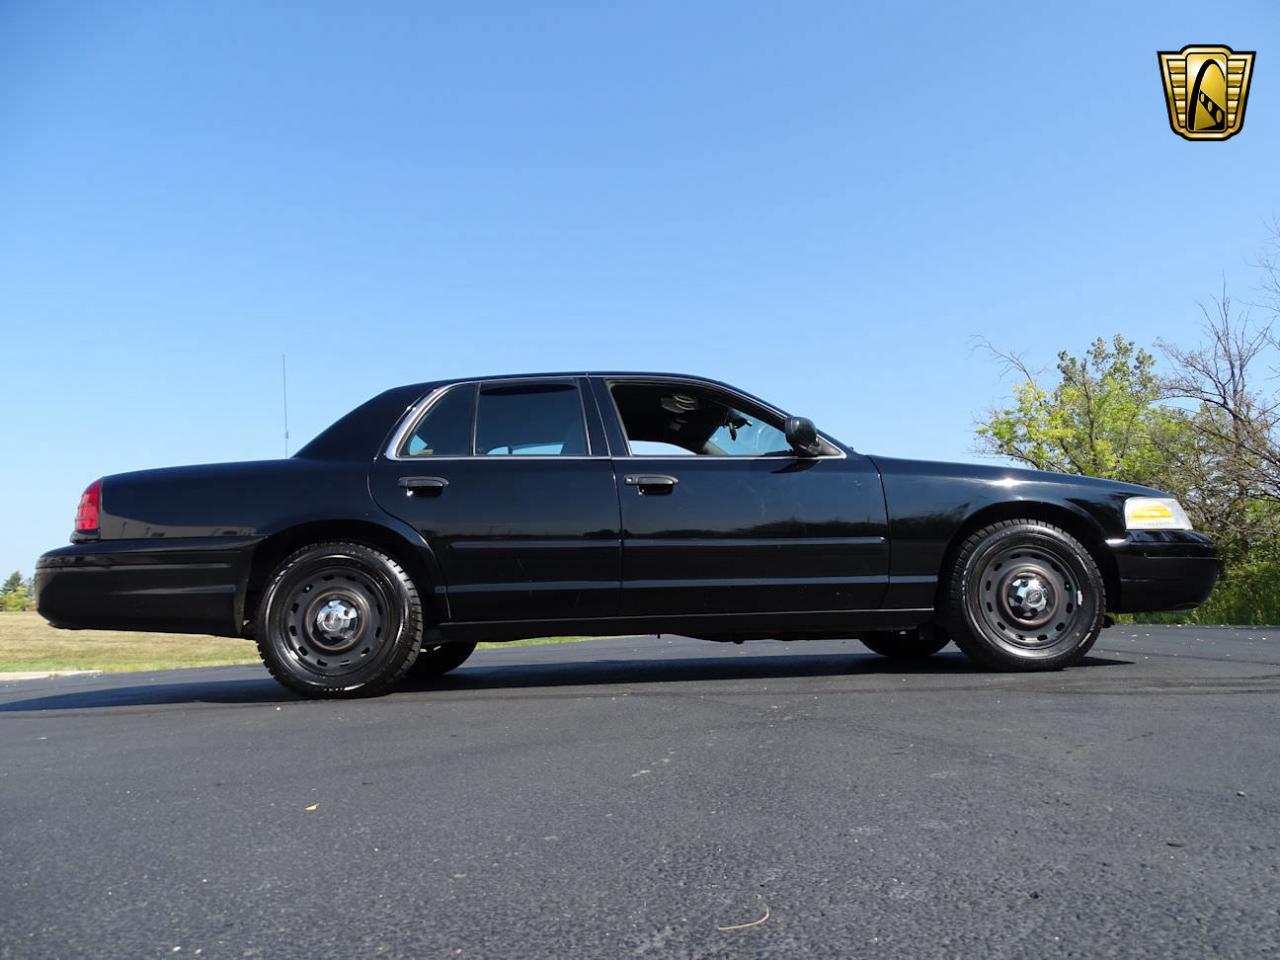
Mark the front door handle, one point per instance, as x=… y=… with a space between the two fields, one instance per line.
x=651 y=482
x=427 y=486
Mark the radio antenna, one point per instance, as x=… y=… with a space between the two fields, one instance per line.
x=284 y=391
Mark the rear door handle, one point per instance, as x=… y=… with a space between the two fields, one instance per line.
x=651 y=482
x=429 y=486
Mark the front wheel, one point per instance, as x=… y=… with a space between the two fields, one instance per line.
x=1025 y=595
x=339 y=620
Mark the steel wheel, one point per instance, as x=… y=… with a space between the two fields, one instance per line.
x=339 y=619
x=1025 y=595
x=1028 y=597
x=335 y=617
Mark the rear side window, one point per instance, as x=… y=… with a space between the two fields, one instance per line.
x=543 y=419
x=446 y=429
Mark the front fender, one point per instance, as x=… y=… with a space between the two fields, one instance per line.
x=932 y=506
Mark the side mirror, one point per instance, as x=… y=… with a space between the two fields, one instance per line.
x=803 y=436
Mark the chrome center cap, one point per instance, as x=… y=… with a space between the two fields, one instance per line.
x=1029 y=597
x=338 y=620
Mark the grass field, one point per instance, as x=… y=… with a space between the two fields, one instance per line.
x=28 y=643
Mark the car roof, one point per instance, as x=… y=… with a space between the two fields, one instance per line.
x=631 y=374
x=609 y=374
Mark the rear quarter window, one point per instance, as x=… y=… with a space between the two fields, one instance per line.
x=445 y=429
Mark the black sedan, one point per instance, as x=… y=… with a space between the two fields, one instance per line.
x=438 y=515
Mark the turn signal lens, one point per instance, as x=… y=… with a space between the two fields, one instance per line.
x=87 y=512
x=1155 y=513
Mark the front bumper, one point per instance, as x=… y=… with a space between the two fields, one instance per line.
x=184 y=585
x=1163 y=570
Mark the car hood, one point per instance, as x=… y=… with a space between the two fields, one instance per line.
x=1011 y=475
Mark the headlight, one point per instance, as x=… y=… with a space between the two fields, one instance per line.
x=1155 y=513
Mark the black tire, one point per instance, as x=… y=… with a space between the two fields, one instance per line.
x=339 y=620
x=914 y=644
x=1025 y=595
x=435 y=660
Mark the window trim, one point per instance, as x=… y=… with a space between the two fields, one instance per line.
x=609 y=383
x=415 y=414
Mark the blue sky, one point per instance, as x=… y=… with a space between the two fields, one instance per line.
x=824 y=203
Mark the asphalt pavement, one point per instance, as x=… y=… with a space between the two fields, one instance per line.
x=657 y=797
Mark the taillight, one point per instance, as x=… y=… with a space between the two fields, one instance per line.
x=87 y=513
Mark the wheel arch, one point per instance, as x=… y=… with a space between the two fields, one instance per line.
x=415 y=557
x=1078 y=524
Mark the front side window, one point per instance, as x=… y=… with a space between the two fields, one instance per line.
x=542 y=419
x=676 y=419
x=445 y=431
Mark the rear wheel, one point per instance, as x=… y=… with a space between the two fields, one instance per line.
x=906 y=644
x=1025 y=595
x=339 y=620
x=435 y=660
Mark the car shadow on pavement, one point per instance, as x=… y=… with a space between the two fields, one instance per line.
x=484 y=676
x=253 y=690
x=693 y=669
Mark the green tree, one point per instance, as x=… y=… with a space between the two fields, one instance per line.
x=15 y=595
x=1100 y=416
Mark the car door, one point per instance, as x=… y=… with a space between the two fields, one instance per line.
x=512 y=488
x=719 y=516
